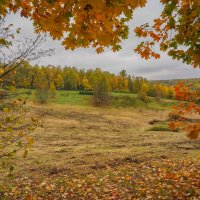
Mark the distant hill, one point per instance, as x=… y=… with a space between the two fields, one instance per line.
x=171 y=82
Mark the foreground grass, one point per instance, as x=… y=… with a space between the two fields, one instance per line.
x=82 y=152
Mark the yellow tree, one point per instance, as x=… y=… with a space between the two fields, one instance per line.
x=114 y=83
x=15 y=123
x=143 y=92
x=59 y=81
x=86 y=85
x=126 y=84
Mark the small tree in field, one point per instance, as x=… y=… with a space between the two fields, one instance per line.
x=16 y=124
x=143 y=93
x=102 y=91
x=42 y=89
x=52 y=90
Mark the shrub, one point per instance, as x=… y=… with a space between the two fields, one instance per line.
x=143 y=97
x=42 y=95
x=173 y=116
x=160 y=128
x=82 y=92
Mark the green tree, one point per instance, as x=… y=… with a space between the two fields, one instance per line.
x=101 y=91
x=130 y=84
x=16 y=124
x=123 y=74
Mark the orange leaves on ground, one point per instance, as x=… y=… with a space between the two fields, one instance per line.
x=193 y=130
x=155 y=179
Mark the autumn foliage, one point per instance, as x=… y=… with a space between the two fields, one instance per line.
x=72 y=78
x=177 y=27
x=101 y=24
x=163 y=179
x=90 y=23
x=188 y=105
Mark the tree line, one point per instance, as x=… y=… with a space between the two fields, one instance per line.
x=71 y=78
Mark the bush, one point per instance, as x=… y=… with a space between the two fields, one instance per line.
x=42 y=95
x=157 y=98
x=173 y=116
x=160 y=128
x=83 y=92
x=143 y=97
x=42 y=92
x=4 y=94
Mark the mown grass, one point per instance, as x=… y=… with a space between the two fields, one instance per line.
x=80 y=137
x=81 y=151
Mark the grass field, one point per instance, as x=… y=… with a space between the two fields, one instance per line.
x=118 y=100
x=86 y=152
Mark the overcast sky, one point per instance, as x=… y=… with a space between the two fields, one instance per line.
x=164 y=68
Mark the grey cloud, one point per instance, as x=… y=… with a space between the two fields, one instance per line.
x=164 y=68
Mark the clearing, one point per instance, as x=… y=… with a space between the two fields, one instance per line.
x=83 y=152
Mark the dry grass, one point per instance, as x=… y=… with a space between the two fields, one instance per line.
x=82 y=139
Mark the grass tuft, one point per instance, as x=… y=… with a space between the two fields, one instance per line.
x=160 y=128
